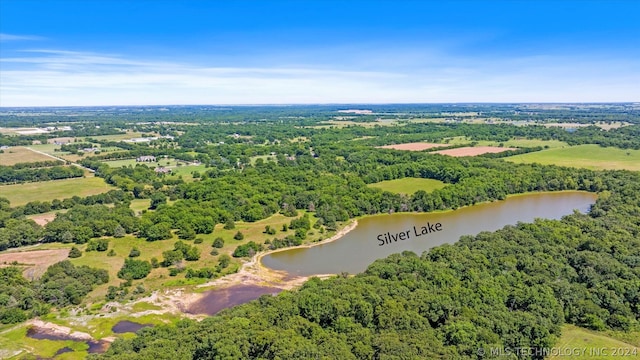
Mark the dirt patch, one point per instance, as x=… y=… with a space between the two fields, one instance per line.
x=473 y=151
x=35 y=262
x=42 y=219
x=417 y=146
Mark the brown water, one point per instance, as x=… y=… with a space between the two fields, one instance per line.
x=216 y=300
x=379 y=236
x=95 y=346
x=125 y=326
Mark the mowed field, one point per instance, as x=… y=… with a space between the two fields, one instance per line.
x=20 y=154
x=584 y=156
x=579 y=343
x=408 y=185
x=472 y=151
x=20 y=194
x=416 y=146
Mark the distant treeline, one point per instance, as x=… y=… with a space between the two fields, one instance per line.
x=11 y=175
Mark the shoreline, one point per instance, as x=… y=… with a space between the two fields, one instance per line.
x=254 y=272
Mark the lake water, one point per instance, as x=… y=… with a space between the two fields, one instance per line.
x=125 y=326
x=379 y=236
x=215 y=300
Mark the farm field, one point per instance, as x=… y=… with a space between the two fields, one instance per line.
x=35 y=262
x=118 y=137
x=518 y=143
x=472 y=151
x=584 y=156
x=408 y=185
x=20 y=154
x=596 y=345
x=416 y=146
x=20 y=194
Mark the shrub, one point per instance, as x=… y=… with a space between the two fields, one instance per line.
x=218 y=242
x=134 y=269
x=75 y=252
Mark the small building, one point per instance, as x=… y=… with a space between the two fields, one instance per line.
x=162 y=170
x=146 y=158
x=87 y=150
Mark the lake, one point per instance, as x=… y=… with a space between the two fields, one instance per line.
x=379 y=236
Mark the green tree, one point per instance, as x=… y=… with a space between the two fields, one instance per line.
x=75 y=252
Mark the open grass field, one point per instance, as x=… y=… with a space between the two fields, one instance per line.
x=20 y=154
x=472 y=151
x=20 y=194
x=409 y=185
x=584 y=156
x=591 y=345
x=264 y=158
x=137 y=205
x=416 y=146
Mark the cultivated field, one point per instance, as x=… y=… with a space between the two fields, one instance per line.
x=590 y=344
x=416 y=146
x=19 y=154
x=20 y=194
x=35 y=262
x=584 y=156
x=408 y=185
x=473 y=151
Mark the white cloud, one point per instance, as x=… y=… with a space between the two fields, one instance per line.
x=57 y=78
x=13 y=37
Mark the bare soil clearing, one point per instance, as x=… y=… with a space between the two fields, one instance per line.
x=473 y=151
x=43 y=219
x=36 y=261
x=417 y=146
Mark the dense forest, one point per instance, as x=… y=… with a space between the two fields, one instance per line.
x=511 y=288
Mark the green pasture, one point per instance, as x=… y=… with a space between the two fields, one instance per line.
x=408 y=185
x=584 y=156
x=592 y=345
x=20 y=194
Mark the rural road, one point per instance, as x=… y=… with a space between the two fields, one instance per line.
x=61 y=159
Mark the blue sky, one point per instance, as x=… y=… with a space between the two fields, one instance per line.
x=91 y=52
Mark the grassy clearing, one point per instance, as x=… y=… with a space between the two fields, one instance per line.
x=408 y=185
x=20 y=154
x=584 y=156
x=186 y=170
x=137 y=205
x=592 y=345
x=20 y=194
x=264 y=158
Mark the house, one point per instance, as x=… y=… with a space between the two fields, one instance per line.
x=146 y=158
x=90 y=149
x=162 y=170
